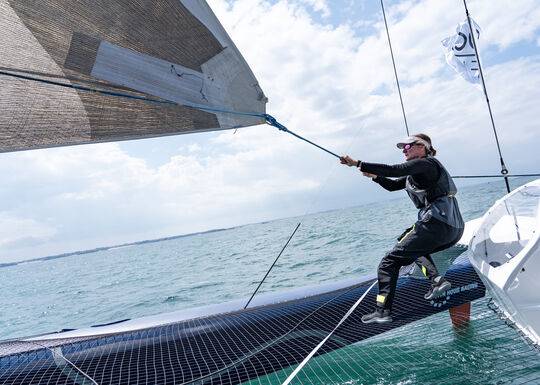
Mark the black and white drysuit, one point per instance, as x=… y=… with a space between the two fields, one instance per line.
x=439 y=224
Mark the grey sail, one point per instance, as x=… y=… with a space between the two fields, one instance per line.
x=167 y=50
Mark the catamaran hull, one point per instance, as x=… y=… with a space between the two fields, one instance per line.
x=227 y=348
x=505 y=251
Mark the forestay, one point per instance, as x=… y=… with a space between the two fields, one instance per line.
x=174 y=50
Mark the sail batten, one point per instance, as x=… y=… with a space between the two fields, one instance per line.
x=153 y=50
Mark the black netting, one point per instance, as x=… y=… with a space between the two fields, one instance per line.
x=226 y=349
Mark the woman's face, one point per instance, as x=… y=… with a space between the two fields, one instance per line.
x=415 y=151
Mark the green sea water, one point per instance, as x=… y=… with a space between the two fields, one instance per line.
x=152 y=278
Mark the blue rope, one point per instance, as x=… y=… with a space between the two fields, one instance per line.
x=268 y=118
x=273 y=122
x=112 y=93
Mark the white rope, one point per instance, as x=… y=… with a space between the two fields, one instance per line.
x=293 y=374
x=62 y=362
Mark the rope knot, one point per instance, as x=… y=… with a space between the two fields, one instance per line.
x=273 y=122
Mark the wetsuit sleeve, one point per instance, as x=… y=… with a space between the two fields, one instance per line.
x=413 y=167
x=391 y=184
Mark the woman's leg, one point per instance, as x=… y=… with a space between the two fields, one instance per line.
x=428 y=267
x=415 y=244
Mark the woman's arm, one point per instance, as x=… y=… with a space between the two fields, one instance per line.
x=423 y=167
x=424 y=172
x=391 y=184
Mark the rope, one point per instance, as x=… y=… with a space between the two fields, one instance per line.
x=308 y=357
x=269 y=119
x=273 y=264
x=129 y=96
x=58 y=357
x=395 y=71
x=494 y=176
x=272 y=121
x=504 y=170
x=511 y=324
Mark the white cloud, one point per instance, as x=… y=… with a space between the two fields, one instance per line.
x=320 y=82
x=194 y=148
x=14 y=229
x=507 y=23
x=329 y=84
x=326 y=74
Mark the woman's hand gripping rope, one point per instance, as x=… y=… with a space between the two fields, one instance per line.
x=347 y=160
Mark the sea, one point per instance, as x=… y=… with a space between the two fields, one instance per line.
x=155 y=277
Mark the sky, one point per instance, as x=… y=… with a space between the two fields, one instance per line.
x=325 y=67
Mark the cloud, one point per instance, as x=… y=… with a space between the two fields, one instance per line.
x=327 y=76
x=15 y=231
x=507 y=23
x=329 y=83
x=194 y=148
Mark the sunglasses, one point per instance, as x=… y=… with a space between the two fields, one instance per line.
x=408 y=146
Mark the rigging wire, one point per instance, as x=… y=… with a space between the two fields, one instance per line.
x=276 y=341
x=316 y=349
x=269 y=119
x=395 y=71
x=504 y=170
x=494 y=176
x=351 y=310
x=273 y=264
x=61 y=361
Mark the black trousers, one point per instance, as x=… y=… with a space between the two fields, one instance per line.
x=414 y=246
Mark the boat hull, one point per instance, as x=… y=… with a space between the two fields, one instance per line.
x=505 y=251
x=231 y=347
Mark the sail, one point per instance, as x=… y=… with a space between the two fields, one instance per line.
x=167 y=50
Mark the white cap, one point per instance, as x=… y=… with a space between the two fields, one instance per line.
x=412 y=139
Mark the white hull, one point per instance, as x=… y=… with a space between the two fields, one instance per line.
x=505 y=252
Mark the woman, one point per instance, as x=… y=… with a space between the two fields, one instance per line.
x=439 y=224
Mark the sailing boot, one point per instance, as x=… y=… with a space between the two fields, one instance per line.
x=380 y=316
x=438 y=286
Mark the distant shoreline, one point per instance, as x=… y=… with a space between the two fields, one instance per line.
x=104 y=248
x=63 y=255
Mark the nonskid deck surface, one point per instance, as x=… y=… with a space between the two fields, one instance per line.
x=505 y=251
x=227 y=348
